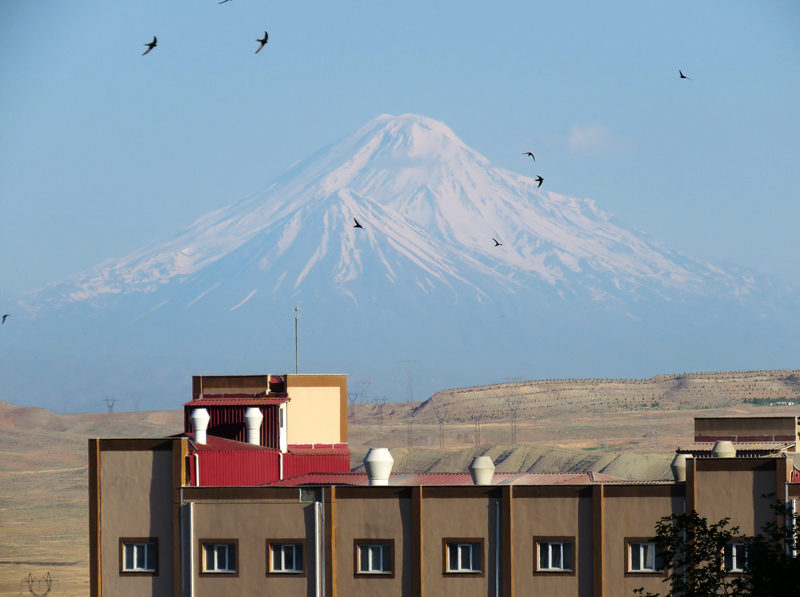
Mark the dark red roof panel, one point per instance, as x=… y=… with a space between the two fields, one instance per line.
x=450 y=479
x=220 y=444
x=236 y=400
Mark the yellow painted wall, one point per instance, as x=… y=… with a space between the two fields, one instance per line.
x=316 y=412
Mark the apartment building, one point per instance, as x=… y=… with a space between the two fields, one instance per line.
x=229 y=508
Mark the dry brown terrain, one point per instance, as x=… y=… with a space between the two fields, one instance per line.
x=624 y=428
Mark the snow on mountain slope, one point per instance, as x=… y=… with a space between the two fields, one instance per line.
x=430 y=202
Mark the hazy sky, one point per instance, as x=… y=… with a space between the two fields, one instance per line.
x=103 y=150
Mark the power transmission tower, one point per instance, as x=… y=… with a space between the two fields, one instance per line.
x=409 y=365
x=477 y=416
x=30 y=580
x=514 y=402
x=440 y=409
x=380 y=402
x=352 y=398
x=136 y=397
x=363 y=387
x=110 y=402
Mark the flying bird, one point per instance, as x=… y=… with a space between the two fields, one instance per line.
x=151 y=45
x=530 y=153
x=223 y=1
x=357 y=224
x=540 y=180
x=682 y=75
x=4 y=318
x=497 y=243
x=263 y=41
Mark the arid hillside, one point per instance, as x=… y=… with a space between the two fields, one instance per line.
x=623 y=428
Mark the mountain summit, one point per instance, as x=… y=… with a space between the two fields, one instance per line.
x=430 y=207
x=571 y=290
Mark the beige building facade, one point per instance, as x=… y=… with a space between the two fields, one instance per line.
x=518 y=536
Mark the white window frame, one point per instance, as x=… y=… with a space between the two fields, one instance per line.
x=223 y=561
x=461 y=566
x=553 y=554
x=374 y=557
x=147 y=549
x=646 y=551
x=280 y=550
x=735 y=556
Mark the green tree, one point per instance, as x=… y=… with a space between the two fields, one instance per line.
x=691 y=550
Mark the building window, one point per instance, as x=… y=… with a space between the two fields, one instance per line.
x=643 y=557
x=138 y=555
x=554 y=555
x=286 y=556
x=219 y=556
x=735 y=557
x=463 y=556
x=374 y=556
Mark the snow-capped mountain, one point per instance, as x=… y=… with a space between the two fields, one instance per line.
x=427 y=202
x=423 y=274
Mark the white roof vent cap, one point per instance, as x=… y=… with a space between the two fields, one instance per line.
x=200 y=419
x=482 y=470
x=378 y=463
x=723 y=449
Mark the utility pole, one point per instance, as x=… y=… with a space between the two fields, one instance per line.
x=514 y=403
x=409 y=364
x=296 y=360
x=136 y=397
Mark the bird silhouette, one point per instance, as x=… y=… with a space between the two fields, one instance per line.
x=497 y=243
x=540 y=180
x=357 y=224
x=263 y=42
x=530 y=153
x=223 y=1
x=4 y=318
x=682 y=75
x=151 y=45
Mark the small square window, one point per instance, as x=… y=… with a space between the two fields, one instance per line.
x=643 y=557
x=286 y=556
x=219 y=556
x=138 y=555
x=735 y=557
x=374 y=556
x=554 y=556
x=463 y=556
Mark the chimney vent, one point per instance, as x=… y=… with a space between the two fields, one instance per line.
x=678 y=467
x=200 y=419
x=723 y=449
x=378 y=463
x=482 y=470
x=252 y=419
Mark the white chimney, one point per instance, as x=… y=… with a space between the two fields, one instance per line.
x=482 y=470
x=378 y=463
x=200 y=419
x=252 y=419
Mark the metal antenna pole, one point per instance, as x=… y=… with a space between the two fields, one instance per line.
x=296 y=359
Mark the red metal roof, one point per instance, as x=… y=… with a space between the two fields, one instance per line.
x=450 y=479
x=237 y=400
x=220 y=444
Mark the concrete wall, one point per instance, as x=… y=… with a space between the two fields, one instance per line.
x=373 y=513
x=466 y=517
x=136 y=501
x=253 y=522
x=632 y=512
x=552 y=512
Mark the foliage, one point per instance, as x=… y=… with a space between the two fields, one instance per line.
x=692 y=552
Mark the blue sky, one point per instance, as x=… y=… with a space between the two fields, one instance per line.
x=103 y=150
